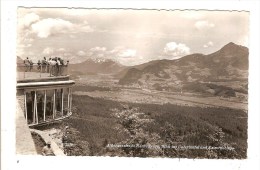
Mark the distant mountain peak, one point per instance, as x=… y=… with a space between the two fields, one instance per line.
x=232 y=46
x=97 y=65
x=100 y=60
x=232 y=49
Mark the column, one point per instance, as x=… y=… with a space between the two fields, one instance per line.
x=62 y=95
x=44 y=106
x=36 y=106
x=25 y=107
x=68 y=101
x=54 y=104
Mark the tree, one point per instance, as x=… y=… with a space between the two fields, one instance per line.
x=140 y=142
x=218 y=148
x=172 y=142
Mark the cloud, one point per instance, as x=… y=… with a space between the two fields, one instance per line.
x=96 y=49
x=174 y=50
x=24 y=29
x=61 y=50
x=244 y=40
x=20 y=51
x=208 y=44
x=203 y=24
x=127 y=53
x=49 y=26
x=97 y=52
x=48 y=51
x=82 y=28
x=28 y=19
x=81 y=53
x=72 y=36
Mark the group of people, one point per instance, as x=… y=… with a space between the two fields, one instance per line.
x=54 y=66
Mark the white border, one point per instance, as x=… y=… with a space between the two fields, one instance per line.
x=8 y=81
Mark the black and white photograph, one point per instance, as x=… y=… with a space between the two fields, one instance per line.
x=132 y=83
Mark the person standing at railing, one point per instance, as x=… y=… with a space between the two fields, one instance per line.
x=61 y=69
x=27 y=64
x=31 y=65
x=48 y=65
x=39 y=65
x=55 y=67
x=67 y=64
x=58 y=67
x=52 y=66
x=67 y=67
x=62 y=66
x=44 y=64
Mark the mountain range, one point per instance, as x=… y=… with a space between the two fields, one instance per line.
x=95 y=66
x=230 y=62
x=195 y=72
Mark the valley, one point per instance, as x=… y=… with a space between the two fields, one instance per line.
x=198 y=101
x=160 y=97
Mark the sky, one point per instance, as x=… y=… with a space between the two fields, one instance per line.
x=127 y=36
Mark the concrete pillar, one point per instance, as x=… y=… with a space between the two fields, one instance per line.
x=44 y=106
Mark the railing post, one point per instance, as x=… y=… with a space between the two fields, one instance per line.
x=50 y=70
x=34 y=107
x=24 y=73
x=68 y=100
x=41 y=71
x=62 y=101
x=25 y=108
x=54 y=104
x=44 y=109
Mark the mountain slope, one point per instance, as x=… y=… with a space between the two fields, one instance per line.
x=122 y=73
x=230 y=63
x=19 y=60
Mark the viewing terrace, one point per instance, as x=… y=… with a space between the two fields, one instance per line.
x=46 y=91
x=44 y=96
x=32 y=73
